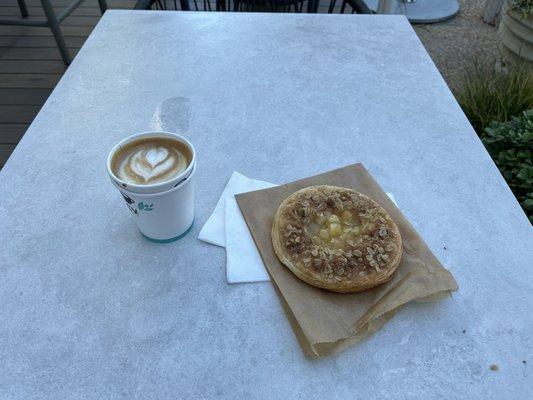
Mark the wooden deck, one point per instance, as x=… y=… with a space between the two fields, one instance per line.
x=31 y=66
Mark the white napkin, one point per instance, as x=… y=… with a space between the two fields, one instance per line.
x=243 y=261
x=214 y=230
x=226 y=227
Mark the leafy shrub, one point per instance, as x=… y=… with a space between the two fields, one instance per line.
x=524 y=7
x=486 y=95
x=511 y=146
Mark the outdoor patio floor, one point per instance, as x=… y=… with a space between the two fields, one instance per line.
x=30 y=64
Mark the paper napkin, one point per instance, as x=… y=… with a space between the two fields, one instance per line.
x=243 y=261
x=214 y=230
x=226 y=227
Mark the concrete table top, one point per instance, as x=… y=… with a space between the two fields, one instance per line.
x=91 y=310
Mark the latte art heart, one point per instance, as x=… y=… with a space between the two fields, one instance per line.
x=151 y=161
x=156 y=155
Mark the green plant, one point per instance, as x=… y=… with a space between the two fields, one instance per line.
x=511 y=146
x=524 y=7
x=486 y=95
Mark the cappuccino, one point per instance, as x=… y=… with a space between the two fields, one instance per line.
x=151 y=160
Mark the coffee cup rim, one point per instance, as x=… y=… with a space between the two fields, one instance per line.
x=156 y=187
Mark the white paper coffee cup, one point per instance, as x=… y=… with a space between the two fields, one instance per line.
x=163 y=212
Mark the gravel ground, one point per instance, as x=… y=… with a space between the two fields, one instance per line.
x=462 y=40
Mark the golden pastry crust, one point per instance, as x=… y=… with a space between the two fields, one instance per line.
x=336 y=238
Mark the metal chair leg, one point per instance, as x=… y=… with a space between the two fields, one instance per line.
x=185 y=5
x=143 y=4
x=23 y=8
x=343 y=7
x=312 y=6
x=103 y=6
x=54 y=26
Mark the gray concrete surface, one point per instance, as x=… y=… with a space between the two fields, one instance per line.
x=90 y=310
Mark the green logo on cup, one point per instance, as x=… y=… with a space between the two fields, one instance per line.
x=146 y=207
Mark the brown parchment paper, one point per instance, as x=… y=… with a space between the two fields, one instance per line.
x=326 y=322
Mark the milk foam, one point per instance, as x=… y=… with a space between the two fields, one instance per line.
x=151 y=163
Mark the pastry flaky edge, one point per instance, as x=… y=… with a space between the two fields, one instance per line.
x=313 y=278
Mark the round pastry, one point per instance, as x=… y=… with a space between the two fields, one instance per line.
x=336 y=238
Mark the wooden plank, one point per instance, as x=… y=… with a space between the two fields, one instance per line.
x=40 y=31
x=29 y=66
x=18 y=114
x=39 y=12
x=74 y=20
x=46 y=81
x=39 y=41
x=63 y=3
x=44 y=53
x=29 y=96
x=12 y=133
x=5 y=152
